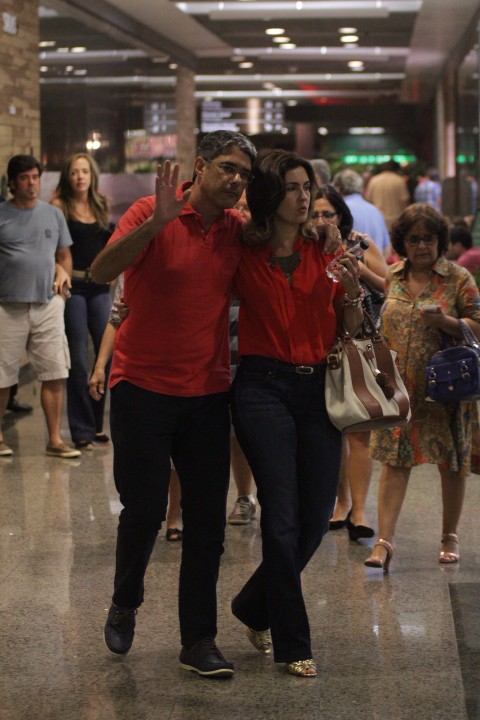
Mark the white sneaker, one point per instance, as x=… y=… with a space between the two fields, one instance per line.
x=5 y=450
x=243 y=511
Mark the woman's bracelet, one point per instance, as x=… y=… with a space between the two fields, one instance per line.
x=354 y=302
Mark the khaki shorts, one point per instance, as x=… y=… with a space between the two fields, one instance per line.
x=37 y=329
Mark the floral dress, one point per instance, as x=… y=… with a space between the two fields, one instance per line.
x=447 y=435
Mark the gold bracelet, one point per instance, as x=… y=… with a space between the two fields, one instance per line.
x=354 y=302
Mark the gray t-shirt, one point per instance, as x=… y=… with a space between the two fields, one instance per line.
x=29 y=239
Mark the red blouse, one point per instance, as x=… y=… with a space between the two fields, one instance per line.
x=294 y=322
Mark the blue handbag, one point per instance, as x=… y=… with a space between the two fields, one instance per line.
x=453 y=373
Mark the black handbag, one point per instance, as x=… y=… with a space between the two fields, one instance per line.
x=453 y=373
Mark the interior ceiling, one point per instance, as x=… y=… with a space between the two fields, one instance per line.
x=404 y=46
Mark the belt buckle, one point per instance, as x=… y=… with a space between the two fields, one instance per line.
x=304 y=370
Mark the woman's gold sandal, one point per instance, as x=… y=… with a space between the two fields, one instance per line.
x=261 y=640
x=302 y=668
x=449 y=556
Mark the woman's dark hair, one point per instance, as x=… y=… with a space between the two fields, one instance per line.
x=419 y=212
x=330 y=193
x=267 y=190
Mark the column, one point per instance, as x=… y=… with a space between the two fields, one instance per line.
x=186 y=121
x=19 y=87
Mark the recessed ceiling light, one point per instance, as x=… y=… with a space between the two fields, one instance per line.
x=268 y=85
x=173 y=66
x=322 y=131
x=355 y=64
x=47 y=43
x=80 y=72
x=288 y=46
x=43 y=68
x=63 y=49
x=349 y=38
x=281 y=39
x=292 y=103
x=274 y=31
x=245 y=65
x=347 y=30
x=69 y=68
x=78 y=49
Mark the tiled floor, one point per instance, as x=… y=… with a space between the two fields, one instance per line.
x=386 y=646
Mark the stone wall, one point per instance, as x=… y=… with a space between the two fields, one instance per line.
x=19 y=87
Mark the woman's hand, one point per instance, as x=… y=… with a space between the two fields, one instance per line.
x=347 y=269
x=332 y=239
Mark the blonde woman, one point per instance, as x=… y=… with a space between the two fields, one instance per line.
x=86 y=312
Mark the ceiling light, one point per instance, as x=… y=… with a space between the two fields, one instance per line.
x=63 y=50
x=268 y=85
x=288 y=46
x=355 y=64
x=349 y=38
x=80 y=72
x=47 y=43
x=366 y=130
x=69 y=68
x=245 y=65
x=281 y=39
x=238 y=58
x=274 y=31
x=173 y=66
x=322 y=131
x=347 y=30
x=78 y=49
x=292 y=103
x=43 y=68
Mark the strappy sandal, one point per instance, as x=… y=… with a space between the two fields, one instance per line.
x=302 y=668
x=448 y=556
x=377 y=562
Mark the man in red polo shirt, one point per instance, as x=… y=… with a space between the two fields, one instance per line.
x=179 y=250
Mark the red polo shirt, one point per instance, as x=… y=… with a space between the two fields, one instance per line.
x=294 y=323
x=175 y=339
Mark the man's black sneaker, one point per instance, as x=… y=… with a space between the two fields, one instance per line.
x=205 y=658
x=119 y=629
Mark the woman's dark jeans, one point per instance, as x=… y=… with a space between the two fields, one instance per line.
x=85 y=314
x=294 y=451
x=147 y=429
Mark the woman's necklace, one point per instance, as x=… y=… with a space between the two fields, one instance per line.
x=287 y=264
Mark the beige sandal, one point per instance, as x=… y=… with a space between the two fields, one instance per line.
x=377 y=562
x=302 y=668
x=449 y=556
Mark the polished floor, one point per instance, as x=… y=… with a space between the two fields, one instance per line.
x=388 y=648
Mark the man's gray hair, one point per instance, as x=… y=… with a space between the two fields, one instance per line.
x=322 y=169
x=348 y=182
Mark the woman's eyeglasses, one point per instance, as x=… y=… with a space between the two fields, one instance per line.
x=326 y=215
x=417 y=239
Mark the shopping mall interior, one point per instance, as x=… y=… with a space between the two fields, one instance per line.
x=356 y=82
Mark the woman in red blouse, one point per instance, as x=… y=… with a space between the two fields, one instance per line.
x=288 y=319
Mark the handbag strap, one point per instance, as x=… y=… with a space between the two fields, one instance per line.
x=468 y=338
x=367 y=327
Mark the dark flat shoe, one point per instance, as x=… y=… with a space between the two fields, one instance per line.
x=174 y=535
x=355 y=532
x=339 y=524
x=101 y=438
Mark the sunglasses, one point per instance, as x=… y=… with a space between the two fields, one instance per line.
x=326 y=215
x=417 y=239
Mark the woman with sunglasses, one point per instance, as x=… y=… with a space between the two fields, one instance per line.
x=357 y=465
x=427 y=295
x=289 y=310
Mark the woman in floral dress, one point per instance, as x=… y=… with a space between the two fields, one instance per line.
x=427 y=295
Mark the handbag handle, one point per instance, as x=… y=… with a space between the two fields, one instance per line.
x=468 y=337
x=373 y=332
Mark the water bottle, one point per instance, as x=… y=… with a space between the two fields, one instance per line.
x=358 y=249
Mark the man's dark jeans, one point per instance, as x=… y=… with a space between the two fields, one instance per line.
x=147 y=429
x=294 y=451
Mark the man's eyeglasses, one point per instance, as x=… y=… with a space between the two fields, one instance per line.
x=230 y=170
x=417 y=239
x=326 y=215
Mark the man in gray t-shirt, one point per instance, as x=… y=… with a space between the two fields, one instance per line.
x=35 y=270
